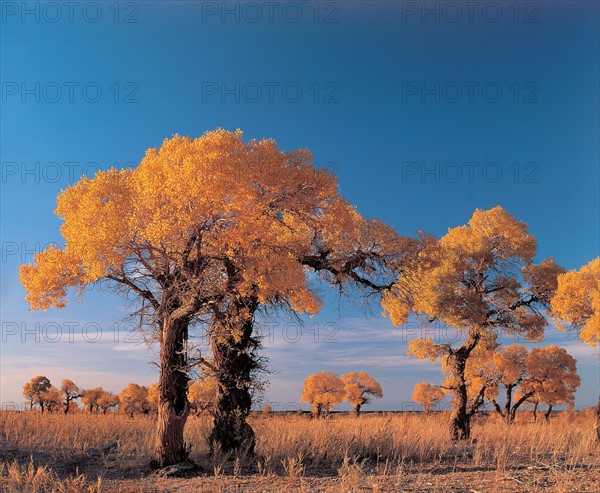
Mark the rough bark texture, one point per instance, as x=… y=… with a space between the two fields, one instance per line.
x=460 y=420
x=173 y=407
x=234 y=361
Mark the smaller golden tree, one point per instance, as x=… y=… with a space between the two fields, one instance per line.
x=480 y=279
x=34 y=390
x=552 y=378
x=134 y=399
x=90 y=398
x=203 y=394
x=108 y=401
x=51 y=399
x=427 y=395
x=360 y=388
x=70 y=392
x=322 y=391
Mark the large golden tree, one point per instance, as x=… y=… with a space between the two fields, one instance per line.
x=207 y=231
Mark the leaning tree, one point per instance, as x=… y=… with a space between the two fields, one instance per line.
x=480 y=279
x=205 y=233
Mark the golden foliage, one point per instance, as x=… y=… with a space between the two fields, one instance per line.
x=134 y=399
x=427 y=395
x=35 y=389
x=90 y=398
x=215 y=214
x=510 y=363
x=203 y=393
x=577 y=301
x=323 y=390
x=476 y=276
x=108 y=401
x=360 y=388
x=425 y=348
x=552 y=376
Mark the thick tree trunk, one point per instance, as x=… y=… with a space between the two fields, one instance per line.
x=357 y=409
x=460 y=420
x=234 y=361
x=173 y=407
x=66 y=411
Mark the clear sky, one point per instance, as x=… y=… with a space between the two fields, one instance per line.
x=426 y=111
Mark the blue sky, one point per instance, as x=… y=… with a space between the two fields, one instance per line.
x=426 y=112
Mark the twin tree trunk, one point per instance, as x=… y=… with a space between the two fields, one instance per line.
x=232 y=346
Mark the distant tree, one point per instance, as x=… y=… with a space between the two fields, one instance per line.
x=203 y=394
x=90 y=398
x=552 y=378
x=153 y=398
x=134 y=399
x=70 y=392
x=577 y=302
x=108 y=401
x=427 y=395
x=267 y=410
x=323 y=391
x=360 y=388
x=52 y=399
x=34 y=390
x=479 y=278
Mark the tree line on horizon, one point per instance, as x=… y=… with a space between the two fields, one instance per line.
x=208 y=233
x=133 y=399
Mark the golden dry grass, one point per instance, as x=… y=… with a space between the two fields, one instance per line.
x=374 y=453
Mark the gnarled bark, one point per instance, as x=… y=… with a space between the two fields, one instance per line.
x=460 y=418
x=234 y=362
x=173 y=406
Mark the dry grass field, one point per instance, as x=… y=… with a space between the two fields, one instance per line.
x=372 y=453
